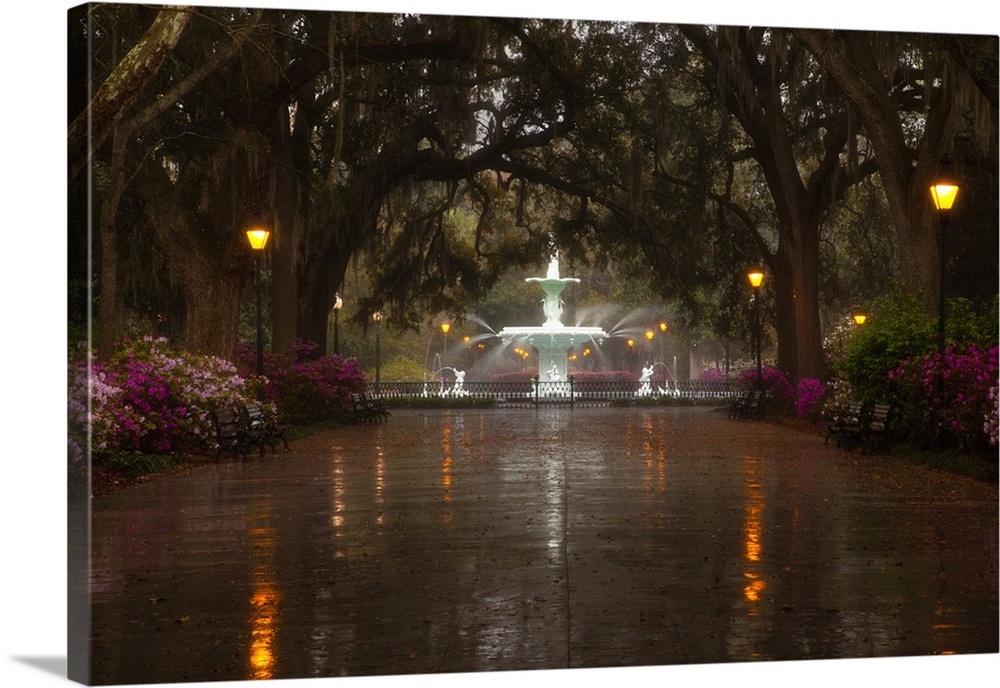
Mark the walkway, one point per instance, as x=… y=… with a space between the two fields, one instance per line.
x=539 y=539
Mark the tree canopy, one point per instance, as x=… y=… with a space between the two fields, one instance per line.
x=438 y=153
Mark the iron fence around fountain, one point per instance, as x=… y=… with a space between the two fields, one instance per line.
x=485 y=394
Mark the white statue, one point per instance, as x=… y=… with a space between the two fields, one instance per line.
x=552 y=307
x=647 y=373
x=459 y=382
x=553 y=271
x=554 y=372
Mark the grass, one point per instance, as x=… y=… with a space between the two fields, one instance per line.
x=952 y=461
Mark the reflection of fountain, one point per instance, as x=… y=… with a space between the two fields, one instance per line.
x=553 y=339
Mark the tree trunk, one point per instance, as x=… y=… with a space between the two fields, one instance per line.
x=123 y=86
x=784 y=315
x=805 y=302
x=212 y=294
x=849 y=59
x=318 y=298
x=109 y=313
x=289 y=217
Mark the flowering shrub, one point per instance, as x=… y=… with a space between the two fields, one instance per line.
x=809 y=397
x=149 y=398
x=514 y=376
x=839 y=395
x=990 y=419
x=304 y=385
x=959 y=408
x=774 y=383
x=714 y=374
x=606 y=376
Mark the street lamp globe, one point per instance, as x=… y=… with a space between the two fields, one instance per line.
x=944 y=188
x=258 y=236
x=858 y=315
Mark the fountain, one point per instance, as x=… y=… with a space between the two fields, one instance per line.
x=553 y=339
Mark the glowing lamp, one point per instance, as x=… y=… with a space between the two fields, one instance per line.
x=944 y=188
x=258 y=237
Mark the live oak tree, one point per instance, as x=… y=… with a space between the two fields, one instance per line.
x=444 y=150
x=920 y=97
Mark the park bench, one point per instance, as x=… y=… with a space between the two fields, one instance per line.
x=231 y=432
x=749 y=405
x=367 y=410
x=263 y=428
x=847 y=418
x=737 y=405
x=872 y=431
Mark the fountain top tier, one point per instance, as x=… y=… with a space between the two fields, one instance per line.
x=553 y=285
x=553 y=339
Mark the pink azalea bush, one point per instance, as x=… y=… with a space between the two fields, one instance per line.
x=991 y=417
x=149 y=398
x=714 y=374
x=963 y=406
x=809 y=397
x=607 y=376
x=780 y=394
x=304 y=385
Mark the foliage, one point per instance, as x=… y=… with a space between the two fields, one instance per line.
x=990 y=418
x=400 y=368
x=604 y=376
x=839 y=396
x=713 y=374
x=417 y=401
x=525 y=376
x=897 y=329
x=809 y=397
x=149 y=398
x=949 y=396
x=779 y=391
x=303 y=385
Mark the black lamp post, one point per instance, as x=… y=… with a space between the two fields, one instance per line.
x=663 y=342
x=257 y=235
x=338 y=303
x=756 y=277
x=943 y=189
x=377 y=317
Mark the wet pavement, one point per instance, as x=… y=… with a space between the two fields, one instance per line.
x=452 y=541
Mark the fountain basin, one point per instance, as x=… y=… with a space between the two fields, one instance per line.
x=552 y=344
